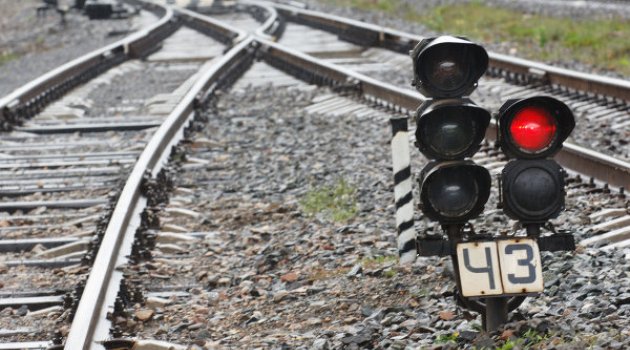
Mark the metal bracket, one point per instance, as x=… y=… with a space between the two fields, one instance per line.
x=557 y=242
x=430 y=246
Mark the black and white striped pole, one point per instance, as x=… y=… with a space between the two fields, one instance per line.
x=403 y=195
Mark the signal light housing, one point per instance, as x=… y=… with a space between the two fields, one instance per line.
x=450 y=129
x=534 y=127
x=454 y=192
x=448 y=66
x=533 y=190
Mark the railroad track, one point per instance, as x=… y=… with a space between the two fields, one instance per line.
x=166 y=234
x=72 y=158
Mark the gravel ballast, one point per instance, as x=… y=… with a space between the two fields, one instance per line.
x=267 y=275
x=39 y=44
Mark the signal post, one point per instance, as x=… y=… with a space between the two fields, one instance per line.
x=493 y=273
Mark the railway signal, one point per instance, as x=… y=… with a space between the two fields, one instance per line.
x=530 y=131
x=493 y=274
x=453 y=189
x=449 y=129
x=532 y=186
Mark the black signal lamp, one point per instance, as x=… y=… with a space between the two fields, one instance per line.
x=450 y=129
x=533 y=190
x=454 y=192
x=448 y=66
x=534 y=128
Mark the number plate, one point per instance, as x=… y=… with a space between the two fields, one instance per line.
x=510 y=266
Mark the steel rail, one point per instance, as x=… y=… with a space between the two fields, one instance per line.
x=152 y=159
x=579 y=159
x=322 y=71
x=373 y=35
x=31 y=96
x=228 y=33
x=272 y=26
x=223 y=32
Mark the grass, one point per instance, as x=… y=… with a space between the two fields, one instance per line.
x=378 y=261
x=447 y=338
x=422 y=293
x=389 y=6
x=600 y=43
x=7 y=57
x=528 y=340
x=337 y=202
x=390 y=273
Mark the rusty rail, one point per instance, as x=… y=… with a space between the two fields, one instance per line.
x=220 y=31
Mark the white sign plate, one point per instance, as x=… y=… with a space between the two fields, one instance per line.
x=511 y=266
x=479 y=269
x=520 y=265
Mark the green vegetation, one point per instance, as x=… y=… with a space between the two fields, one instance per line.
x=7 y=57
x=526 y=341
x=600 y=43
x=337 y=202
x=422 y=293
x=447 y=338
x=378 y=261
x=389 y=273
x=323 y=274
x=388 y=6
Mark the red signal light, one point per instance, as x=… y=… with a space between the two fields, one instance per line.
x=533 y=129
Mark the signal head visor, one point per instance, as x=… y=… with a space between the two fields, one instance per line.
x=454 y=192
x=534 y=128
x=450 y=129
x=532 y=190
x=447 y=66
